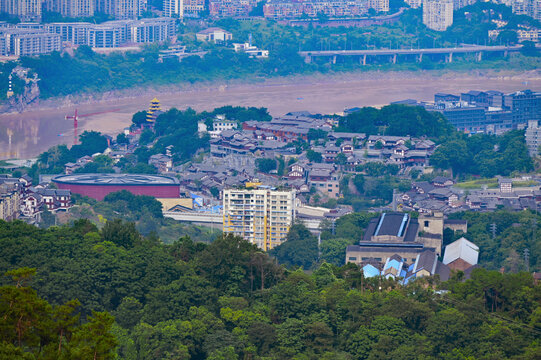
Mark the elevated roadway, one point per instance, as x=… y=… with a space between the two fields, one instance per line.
x=394 y=53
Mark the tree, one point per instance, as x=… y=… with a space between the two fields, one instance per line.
x=91 y=142
x=121 y=138
x=139 y=118
x=508 y=37
x=333 y=250
x=314 y=156
x=529 y=49
x=129 y=312
x=94 y=339
x=299 y=249
x=314 y=134
x=340 y=159
x=120 y=233
x=265 y=165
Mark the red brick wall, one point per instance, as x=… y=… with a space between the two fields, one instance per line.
x=98 y=192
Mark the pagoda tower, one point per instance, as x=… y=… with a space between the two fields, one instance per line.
x=152 y=109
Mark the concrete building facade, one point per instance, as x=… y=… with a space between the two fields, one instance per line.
x=261 y=216
x=400 y=234
x=26 y=10
x=438 y=14
x=533 y=137
x=112 y=34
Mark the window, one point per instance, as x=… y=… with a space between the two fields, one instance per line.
x=352 y=258
x=427 y=223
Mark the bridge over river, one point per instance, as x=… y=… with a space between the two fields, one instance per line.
x=393 y=54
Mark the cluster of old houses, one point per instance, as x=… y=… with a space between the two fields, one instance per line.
x=440 y=195
x=233 y=153
x=19 y=199
x=396 y=245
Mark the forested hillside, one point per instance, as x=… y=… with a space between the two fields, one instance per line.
x=228 y=300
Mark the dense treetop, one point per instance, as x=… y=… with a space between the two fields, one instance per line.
x=228 y=300
x=401 y=120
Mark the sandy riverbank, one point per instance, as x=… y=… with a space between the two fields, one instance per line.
x=39 y=128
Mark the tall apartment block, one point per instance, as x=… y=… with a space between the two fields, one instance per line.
x=26 y=10
x=531 y=8
x=525 y=106
x=173 y=8
x=261 y=216
x=379 y=5
x=76 y=8
x=533 y=137
x=438 y=14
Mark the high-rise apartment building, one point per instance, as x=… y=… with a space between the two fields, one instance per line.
x=379 y=5
x=173 y=8
x=533 y=137
x=26 y=10
x=530 y=8
x=76 y=8
x=122 y=9
x=525 y=105
x=438 y=14
x=260 y=216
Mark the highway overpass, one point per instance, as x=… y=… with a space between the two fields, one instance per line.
x=393 y=54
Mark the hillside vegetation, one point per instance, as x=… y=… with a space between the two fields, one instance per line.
x=229 y=300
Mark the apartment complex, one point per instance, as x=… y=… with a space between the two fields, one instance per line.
x=231 y=8
x=113 y=34
x=21 y=41
x=10 y=201
x=181 y=8
x=533 y=137
x=261 y=216
x=488 y=111
x=26 y=10
x=281 y=9
x=438 y=14
x=71 y=8
x=530 y=8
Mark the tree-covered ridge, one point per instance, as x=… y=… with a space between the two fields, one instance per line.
x=228 y=300
x=485 y=155
x=30 y=328
x=502 y=237
x=401 y=120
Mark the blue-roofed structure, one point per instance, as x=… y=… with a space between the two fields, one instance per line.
x=400 y=234
x=370 y=271
x=393 y=267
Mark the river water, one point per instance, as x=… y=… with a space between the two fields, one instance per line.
x=34 y=131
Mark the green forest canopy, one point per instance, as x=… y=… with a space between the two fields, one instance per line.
x=228 y=300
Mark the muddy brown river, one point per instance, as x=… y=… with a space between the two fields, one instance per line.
x=36 y=130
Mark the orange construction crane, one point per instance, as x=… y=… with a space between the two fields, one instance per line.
x=76 y=117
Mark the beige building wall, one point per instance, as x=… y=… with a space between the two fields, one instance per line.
x=260 y=216
x=168 y=203
x=438 y=14
x=77 y=8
